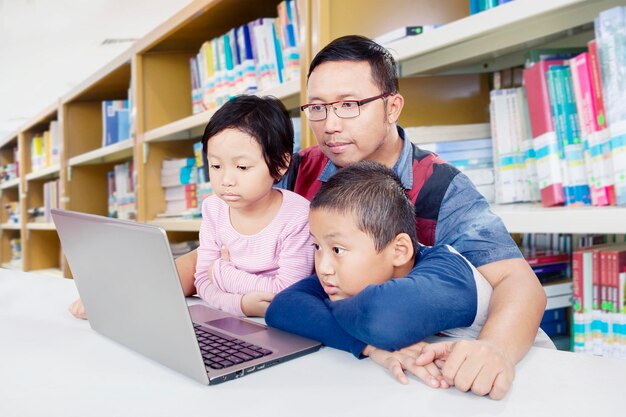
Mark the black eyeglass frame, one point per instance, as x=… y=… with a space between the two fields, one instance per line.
x=359 y=103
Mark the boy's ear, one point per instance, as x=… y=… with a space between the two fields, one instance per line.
x=403 y=250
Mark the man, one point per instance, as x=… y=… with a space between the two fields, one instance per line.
x=353 y=108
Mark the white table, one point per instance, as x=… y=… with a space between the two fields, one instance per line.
x=52 y=364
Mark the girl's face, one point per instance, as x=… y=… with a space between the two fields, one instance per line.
x=238 y=172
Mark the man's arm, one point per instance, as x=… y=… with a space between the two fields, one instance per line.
x=186 y=267
x=517 y=302
x=302 y=309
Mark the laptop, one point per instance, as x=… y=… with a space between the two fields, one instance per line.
x=127 y=280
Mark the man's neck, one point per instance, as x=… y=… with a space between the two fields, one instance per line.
x=391 y=148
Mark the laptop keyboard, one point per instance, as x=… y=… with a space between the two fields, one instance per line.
x=220 y=351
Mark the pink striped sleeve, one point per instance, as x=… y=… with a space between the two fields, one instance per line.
x=208 y=253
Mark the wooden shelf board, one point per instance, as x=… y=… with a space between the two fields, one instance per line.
x=10 y=183
x=177 y=224
x=10 y=139
x=533 y=218
x=41 y=226
x=111 y=153
x=11 y=226
x=193 y=126
x=15 y=265
x=53 y=272
x=476 y=43
x=51 y=171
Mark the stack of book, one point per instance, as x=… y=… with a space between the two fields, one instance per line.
x=122 y=202
x=178 y=179
x=45 y=148
x=599 y=278
x=115 y=121
x=256 y=56
x=467 y=147
x=51 y=199
x=13 y=212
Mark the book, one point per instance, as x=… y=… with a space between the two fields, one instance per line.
x=545 y=141
x=403 y=32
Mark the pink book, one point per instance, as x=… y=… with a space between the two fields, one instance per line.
x=602 y=163
x=544 y=137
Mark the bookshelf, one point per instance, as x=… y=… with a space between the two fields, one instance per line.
x=443 y=78
x=166 y=126
x=41 y=248
x=9 y=195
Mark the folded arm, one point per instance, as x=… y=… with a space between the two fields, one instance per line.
x=302 y=309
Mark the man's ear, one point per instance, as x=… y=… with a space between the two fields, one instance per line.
x=403 y=250
x=395 y=104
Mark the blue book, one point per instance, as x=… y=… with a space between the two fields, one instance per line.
x=109 y=122
x=555 y=328
x=123 y=124
x=557 y=314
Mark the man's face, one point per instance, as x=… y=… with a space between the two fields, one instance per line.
x=346 y=260
x=346 y=141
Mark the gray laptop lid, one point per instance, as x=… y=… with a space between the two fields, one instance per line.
x=123 y=271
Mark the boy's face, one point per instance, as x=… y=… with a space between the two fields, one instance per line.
x=346 y=141
x=346 y=260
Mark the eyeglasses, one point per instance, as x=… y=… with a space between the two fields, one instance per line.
x=344 y=109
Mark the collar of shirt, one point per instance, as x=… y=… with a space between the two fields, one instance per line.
x=403 y=167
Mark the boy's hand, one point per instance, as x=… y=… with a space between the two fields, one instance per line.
x=475 y=365
x=78 y=309
x=404 y=360
x=255 y=304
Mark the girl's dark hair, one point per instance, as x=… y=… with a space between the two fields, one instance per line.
x=265 y=119
x=376 y=198
x=357 y=49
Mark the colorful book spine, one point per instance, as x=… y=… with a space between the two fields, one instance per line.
x=543 y=133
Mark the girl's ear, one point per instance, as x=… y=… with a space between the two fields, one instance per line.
x=403 y=250
x=287 y=159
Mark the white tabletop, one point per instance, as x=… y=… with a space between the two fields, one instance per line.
x=52 y=364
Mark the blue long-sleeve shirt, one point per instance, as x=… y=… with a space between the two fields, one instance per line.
x=441 y=292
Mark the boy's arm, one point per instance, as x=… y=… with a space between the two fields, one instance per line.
x=438 y=294
x=295 y=261
x=302 y=309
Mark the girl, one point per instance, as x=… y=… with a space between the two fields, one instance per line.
x=254 y=239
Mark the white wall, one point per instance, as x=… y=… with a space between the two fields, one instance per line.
x=49 y=46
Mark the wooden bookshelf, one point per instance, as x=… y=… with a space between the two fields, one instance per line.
x=9 y=193
x=88 y=161
x=443 y=78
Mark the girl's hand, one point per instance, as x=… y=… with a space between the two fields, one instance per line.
x=78 y=309
x=404 y=360
x=255 y=304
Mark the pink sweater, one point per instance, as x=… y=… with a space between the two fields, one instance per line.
x=271 y=260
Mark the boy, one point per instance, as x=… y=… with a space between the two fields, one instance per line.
x=367 y=258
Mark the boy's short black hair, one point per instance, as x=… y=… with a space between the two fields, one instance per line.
x=265 y=119
x=375 y=196
x=357 y=49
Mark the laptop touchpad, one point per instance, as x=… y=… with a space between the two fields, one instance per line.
x=236 y=326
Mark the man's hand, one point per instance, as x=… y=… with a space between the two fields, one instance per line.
x=255 y=304
x=78 y=309
x=404 y=360
x=476 y=365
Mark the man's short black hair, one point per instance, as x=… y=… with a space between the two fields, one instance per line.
x=358 y=49
x=376 y=198
x=265 y=119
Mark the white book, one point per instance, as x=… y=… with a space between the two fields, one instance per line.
x=446 y=133
x=403 y=32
